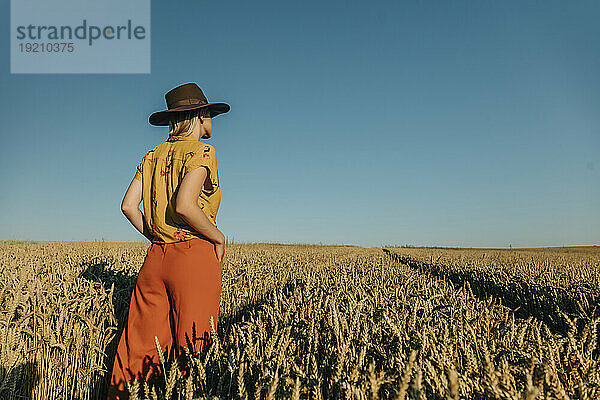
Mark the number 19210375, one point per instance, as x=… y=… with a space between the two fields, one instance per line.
x=46 y=47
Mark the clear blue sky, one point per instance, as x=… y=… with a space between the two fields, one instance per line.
x=368 y=123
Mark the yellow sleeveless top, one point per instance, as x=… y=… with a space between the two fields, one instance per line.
x=161 y=171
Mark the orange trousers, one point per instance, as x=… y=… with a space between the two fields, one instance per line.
x=177 y=290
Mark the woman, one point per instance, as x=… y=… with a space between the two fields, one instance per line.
x=178 y=288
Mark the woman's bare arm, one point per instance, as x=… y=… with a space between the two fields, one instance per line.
x=130 y=207
x=186 y=205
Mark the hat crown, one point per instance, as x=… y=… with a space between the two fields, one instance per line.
x=186 y=94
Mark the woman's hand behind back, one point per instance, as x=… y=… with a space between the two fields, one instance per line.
x=220 y=251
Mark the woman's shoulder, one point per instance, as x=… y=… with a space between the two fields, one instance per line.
x=196 y=150
x=204 y=148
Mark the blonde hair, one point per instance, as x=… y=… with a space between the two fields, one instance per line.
x=183 y=122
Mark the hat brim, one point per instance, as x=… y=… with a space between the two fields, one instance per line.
x=161 y=118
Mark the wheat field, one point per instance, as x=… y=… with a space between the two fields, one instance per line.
x=316 y=322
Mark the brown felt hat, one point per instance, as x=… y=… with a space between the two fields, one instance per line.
x=183 y=98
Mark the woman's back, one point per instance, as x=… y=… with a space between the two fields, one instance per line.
x=161 y=171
